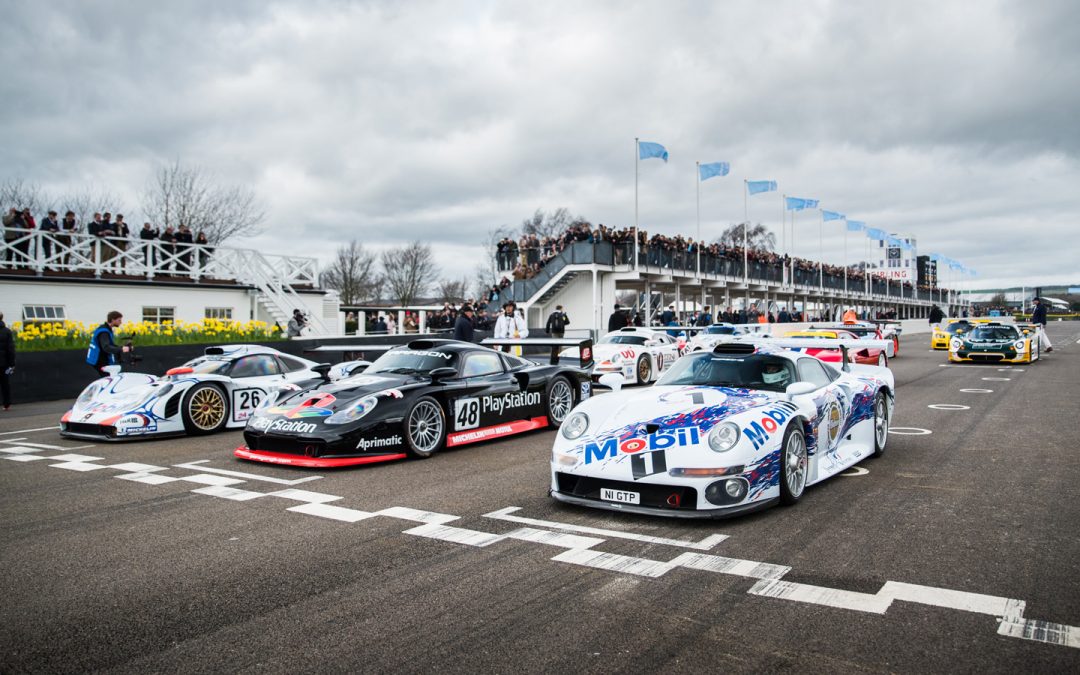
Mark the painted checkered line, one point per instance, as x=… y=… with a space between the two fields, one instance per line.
x=580 y=550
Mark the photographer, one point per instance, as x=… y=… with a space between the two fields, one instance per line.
x=296 y=324
x=103 y=351
x=7 y=362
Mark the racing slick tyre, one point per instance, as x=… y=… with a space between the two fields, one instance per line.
x=643 y=370
x=793 y=464
x=425 y=428
x=881 y=424
x=882 y=360
x=896 y=346
x=204 y=409
x=558 y=401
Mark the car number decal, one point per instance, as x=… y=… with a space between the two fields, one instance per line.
x=466 y=413
x=244 y=403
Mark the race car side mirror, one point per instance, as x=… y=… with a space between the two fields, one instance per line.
x=612 y=381
x=800 y=388
x=323 y=369
x=112 y=370
x=440 y=374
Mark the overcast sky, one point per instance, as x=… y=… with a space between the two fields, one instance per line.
x=954 y=122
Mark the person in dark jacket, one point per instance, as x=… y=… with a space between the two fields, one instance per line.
x=617 y=319
x=51 y=225
x=1038 y=316
x=936 y=315
x=7 y=362
x=557 y=323
x=103 y=351
x=463 y=327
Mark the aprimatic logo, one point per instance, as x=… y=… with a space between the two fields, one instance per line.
x=661 y=440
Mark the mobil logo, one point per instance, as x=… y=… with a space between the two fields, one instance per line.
x=661 y=440
x=772 y=419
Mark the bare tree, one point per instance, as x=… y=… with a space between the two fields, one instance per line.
x=16 y=192
x=88 y=200
x=188 y=195
x=409 y=271
x=453 y=290
x=549 y=224
x=354 y=274
x=758 y=237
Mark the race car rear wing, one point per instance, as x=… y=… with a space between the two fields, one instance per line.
x=351 y=352
x=584 y=347
x=799 y=344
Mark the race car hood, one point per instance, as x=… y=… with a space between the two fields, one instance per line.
x=116 y=393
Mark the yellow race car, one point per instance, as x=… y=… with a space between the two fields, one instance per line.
x=994 y=343
x=941 y=335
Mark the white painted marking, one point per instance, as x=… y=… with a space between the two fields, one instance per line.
x=240 y=474
x=909 y=431
x=303 y=496
x=332 y=512
x=18 y=449
x=948 y=406
x=416 y=515
x=27 y=431
x=76 y=458
x=207 y=479
x=148 y=478
x=721 y=565
x=1041 y=631
x=961 y=600
x=614 y=562
x=1011 y=369
x=457 y=535
x=703 y=545
x=77 y=466
x=234 y=494
x=859 y=471
x=46 y=446
x=135 y=466
x=977 y=391
x=997 y=379
x=22 y=458
x=560 y=539
x=819 y=595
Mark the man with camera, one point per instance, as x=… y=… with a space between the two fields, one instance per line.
x=103 y=351
x=296 y=324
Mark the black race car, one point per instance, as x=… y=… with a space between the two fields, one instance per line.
x=416 y=399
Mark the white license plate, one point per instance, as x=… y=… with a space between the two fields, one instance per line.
x=623 y=496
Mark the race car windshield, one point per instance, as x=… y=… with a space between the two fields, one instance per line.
x=952 y=328
x=205 y=366
x=409 y=361
x=622 y=340
x=994 y=333
x=757 y=371
x=720 y=330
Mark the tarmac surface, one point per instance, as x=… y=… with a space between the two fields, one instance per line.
x=955 y=551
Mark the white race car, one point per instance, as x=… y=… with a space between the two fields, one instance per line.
x=638 y=355
x=708 y=337
x=724 y=431
x=219 y=390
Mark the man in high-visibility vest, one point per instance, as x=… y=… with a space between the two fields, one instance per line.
x=103 y=351
x=850 y=316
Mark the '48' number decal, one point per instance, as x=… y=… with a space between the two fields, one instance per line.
x=467 y=413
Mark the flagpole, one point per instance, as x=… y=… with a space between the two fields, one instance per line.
x=746 y=226
x=845 y=256
x=783 y=235
x=637 y=158
x=821 y=254
x=697 y=188
x=783 y=202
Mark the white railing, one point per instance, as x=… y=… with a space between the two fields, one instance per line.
x=152 y=258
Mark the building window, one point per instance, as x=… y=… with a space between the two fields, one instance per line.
x=159 y=314
x=43 y=313
x=222 y=313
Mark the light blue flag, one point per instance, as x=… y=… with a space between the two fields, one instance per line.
x=797 y=204
x=875 y=233
x=955 y=264
x=893 y=241
x=832 y=215
x=855 y=226
x=756 y=186
x=713 y=169
x=935 y=257
x=648 y=150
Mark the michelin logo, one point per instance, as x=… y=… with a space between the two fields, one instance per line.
x=521 y=399
x=369 y=443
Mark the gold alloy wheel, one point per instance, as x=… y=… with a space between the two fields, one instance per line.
x=207 y=408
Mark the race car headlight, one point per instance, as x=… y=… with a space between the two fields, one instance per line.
x=575 y=425
x=88 y=394
x=353 y=412
x=723 y=437
x=955 y=344
x=1020 y=345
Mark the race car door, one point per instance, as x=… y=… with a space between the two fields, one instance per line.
x=253 y=377
x=832 y=406
x=667 y=351
x=485 y=403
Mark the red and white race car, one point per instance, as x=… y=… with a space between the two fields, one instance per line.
x=639 y=355
x=867 y=356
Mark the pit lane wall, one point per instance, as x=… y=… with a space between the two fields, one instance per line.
x=62 y=375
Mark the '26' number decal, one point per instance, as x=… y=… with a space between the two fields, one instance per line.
x=248 y=398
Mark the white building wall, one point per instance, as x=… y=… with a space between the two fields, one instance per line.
x=577 y=301
x=90 y=302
